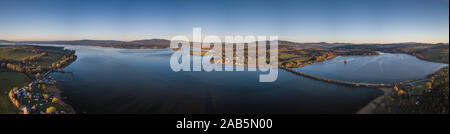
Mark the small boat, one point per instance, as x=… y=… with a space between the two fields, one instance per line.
x=345 y=61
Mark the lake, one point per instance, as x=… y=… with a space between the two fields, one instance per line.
x=383 y=68
x=109 y=80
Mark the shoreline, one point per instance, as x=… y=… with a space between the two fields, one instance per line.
x=374 y=104
x=52 y=89
x=57 y=93
x=367 y=109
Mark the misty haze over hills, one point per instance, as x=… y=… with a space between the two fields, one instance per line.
x=166 y=43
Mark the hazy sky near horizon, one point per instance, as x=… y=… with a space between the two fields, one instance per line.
x=356 y=21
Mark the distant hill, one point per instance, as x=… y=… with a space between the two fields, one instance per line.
x=163 y=43
x=6 y=41
x=312 y=44
x=137 y=44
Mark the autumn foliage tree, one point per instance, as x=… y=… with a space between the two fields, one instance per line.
x=50 y=110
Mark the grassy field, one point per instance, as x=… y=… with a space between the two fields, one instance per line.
x=10 y=53
x=17 y=53
x=436 y=54
x=8 y=80
x=284 y=55
x=47 y=60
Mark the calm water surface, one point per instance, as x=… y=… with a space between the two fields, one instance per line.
x=383 y=68
x=107 y=80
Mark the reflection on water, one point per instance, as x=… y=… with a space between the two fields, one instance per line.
x=108 y=80
x=383 y=68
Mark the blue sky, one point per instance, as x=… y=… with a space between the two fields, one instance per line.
x=357 y=21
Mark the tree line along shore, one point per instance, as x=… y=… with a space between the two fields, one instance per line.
x=26 y=86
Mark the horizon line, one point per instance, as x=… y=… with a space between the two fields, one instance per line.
x=328 y=42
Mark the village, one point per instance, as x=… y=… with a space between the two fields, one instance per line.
x=35 y=97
